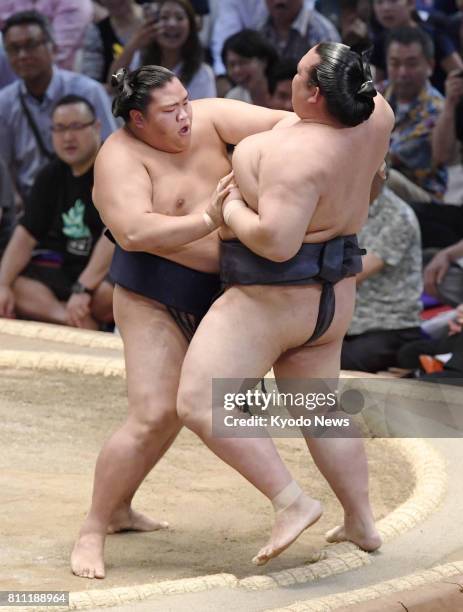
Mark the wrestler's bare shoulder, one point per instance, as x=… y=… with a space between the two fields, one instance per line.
x=121 y=146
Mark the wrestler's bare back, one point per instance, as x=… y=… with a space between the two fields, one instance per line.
x=342 y=162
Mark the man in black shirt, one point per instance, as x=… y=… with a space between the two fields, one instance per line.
x=55 y=264
x=7 y=212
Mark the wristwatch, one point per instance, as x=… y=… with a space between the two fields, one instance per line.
x=77 y=287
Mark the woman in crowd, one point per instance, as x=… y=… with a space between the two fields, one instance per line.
x=105 y=39
x=170 y=39
x=249 y=59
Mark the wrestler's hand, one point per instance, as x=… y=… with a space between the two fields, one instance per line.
x=77 y=308
x=214 y=210
x=235 y=194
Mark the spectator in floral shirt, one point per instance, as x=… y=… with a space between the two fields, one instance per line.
x=415 y=176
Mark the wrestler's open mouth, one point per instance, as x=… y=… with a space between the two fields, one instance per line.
x=185 y=130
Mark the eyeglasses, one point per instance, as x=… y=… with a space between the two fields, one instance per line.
x=28 y=47
x=59 y=128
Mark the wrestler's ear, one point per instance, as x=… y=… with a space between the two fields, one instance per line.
x=137 y=118
x=314 y=95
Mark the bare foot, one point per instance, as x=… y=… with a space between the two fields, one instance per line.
x=289 y=525
x=87 y=556
x=129 y=520
x=364 y=536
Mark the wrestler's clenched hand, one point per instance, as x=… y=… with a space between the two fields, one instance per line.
x=214 y=210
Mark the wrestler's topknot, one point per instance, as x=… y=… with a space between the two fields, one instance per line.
x=345 y=81
x=134 y=88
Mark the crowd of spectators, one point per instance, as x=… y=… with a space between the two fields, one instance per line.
x=56 y=62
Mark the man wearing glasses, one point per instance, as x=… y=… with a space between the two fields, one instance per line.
x=26 y=105
x=55 y=265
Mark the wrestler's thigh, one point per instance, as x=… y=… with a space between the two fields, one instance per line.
x=235 y=339
x=322 y=359
x=154 y=349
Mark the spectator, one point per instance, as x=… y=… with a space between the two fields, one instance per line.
x=409 y=356
x=26 y=104
x=280 y=84
x=417 y=105
x=7 y=213
x=172 y=41
x=7 y=75
x=233 y=16
x=68 y=18
x=448 y=129
x=388 y=289
x=54 y=265
x=294 y=29
x=443 y=276
x=354 y=24
x=393 y=14
x=249 y=59
x=105 y=39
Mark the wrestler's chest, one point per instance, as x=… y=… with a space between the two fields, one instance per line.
x=182 y=189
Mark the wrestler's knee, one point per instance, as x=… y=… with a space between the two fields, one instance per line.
x=150 y=417
x=191 y=404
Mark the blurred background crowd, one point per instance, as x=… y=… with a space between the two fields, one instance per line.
x=56 y=62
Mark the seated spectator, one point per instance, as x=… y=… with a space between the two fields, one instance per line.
x=414 y=175
x=7 y=75
x=249 y=59
x=409 y=356
x=280 y=84
x=68 y=18
x=105 y=39
x=293 y=28
x=54 y=266
x=354 y=24
x=7 y=212
x=449 y=125
x=26 y=105
x=400 y=14
x=231 y=17
x=387 y=311
x=443 y=275
x=172 y=41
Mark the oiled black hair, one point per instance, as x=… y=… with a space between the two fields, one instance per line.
x=134 y=88
x=345 y=81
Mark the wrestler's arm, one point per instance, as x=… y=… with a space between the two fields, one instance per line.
x=123 y=195
x=235 y=120
x=286 y=205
